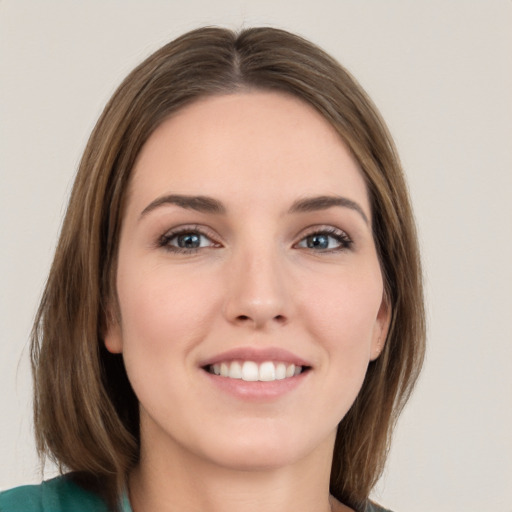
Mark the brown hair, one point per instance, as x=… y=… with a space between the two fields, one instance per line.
x=86 y=414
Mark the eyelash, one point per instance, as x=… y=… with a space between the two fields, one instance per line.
x=344 y=241
x=165 y=240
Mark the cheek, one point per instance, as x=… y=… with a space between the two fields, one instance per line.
x=342 y=315
x=163 y=309
x=164 y=316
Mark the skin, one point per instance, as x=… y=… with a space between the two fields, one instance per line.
x=253 y=282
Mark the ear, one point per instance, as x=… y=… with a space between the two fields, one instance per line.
x=381 y=327
x=112 y=334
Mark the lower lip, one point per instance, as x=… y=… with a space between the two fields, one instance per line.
x=256 y=390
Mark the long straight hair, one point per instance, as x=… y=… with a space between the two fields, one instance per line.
x=86 y=414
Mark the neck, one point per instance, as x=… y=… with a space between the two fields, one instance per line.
x=174 y=480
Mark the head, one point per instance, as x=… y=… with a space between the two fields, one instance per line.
x=86 y=413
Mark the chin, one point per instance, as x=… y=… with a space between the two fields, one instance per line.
x=257 y=460
x=263 y=452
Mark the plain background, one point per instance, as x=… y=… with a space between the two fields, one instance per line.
x=441 y=74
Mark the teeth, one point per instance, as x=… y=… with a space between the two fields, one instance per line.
x=250 y=371
x=290 y=370
x=267 y=371
x=280 y=371
x=235 y=370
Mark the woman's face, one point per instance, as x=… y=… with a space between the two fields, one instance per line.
x=246 y=249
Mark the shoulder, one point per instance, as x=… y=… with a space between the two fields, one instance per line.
x=373 y=507
x=60 y=494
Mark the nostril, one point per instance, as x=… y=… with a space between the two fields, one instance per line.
x=245 y=318
x=260 y=318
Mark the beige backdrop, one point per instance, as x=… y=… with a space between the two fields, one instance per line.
x=441 y=73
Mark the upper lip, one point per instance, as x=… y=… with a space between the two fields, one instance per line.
x=258 y=355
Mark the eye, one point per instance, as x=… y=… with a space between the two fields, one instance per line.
x=186 y=240
x=326 y=240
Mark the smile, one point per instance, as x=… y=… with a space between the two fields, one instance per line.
x=251 y=371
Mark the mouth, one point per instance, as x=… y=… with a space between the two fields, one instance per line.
x=252 y=371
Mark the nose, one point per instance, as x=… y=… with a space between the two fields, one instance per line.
x=257 y=294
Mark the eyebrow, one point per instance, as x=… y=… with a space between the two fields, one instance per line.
x=310 y=204
x=201 y=204
x=205 y=204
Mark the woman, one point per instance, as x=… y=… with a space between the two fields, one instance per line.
x=234 y=317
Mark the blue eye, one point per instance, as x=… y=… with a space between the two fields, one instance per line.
x=334 y=240
x=186 y=241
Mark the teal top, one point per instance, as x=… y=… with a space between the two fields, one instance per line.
x=61 y=494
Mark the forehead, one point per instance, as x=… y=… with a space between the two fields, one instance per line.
x=254 y=146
